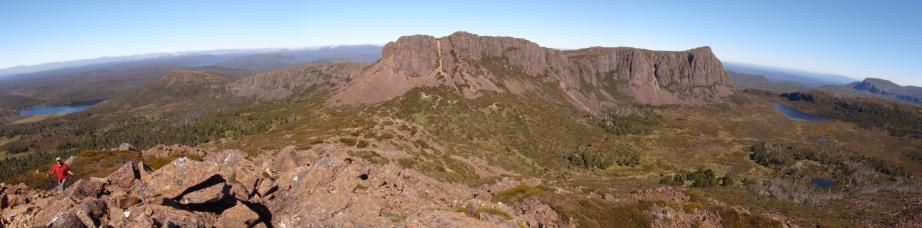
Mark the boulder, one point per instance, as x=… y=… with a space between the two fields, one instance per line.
x=210 y=194
x=21 y=189
x=125 y=176
x=66 y=220
x=13 y=200
x=236 y=168
x=152 y=215
x=126 y=147
x=287 y=159
x=144 y=172
x=239 y=192
x=3 y=201
x=267 y=187
x=175 y=178
x=125 y=201
x=238 y=216
x=49 y=211
x=91 y=211
x=248 y=178
x=83 y=189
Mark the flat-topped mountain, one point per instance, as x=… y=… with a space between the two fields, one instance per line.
x=593 y=78
x=883 y=87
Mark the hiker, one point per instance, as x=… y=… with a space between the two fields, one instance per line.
x=61 y=172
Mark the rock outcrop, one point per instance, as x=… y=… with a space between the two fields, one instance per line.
x=911 y=94
x=125 y=147
x=592 y=78
x=324 y=187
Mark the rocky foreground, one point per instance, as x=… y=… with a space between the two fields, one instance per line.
x=291 y=188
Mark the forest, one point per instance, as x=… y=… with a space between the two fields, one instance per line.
x=42 y=141
x=898 y=119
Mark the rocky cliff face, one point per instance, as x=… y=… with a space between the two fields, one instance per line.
x=593 y=78
x=883 y=87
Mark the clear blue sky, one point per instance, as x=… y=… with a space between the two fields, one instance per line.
x=853 y=38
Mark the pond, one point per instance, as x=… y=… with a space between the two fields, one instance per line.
x=54 y=110
x=794 y=114
x=822 y=183
x=822 y=140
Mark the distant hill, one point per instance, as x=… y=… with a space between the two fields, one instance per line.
x=255 y=59
x=753 y=81
x=776 y=74
x=886 y=88
x=102 y=79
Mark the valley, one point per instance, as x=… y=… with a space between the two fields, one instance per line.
x=470 y=131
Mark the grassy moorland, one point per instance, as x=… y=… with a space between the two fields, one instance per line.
x=440 y=133
x=743 y=160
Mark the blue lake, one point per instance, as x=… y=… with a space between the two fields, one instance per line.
x=823 y=183
x=822 y=140
x=794 y=114
x=52 y=110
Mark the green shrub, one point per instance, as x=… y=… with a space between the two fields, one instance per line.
x=767 y=154
x=370 y=156
x=362 y=144
x=727 y=181
x=703 y=178
x=642 y=123
x=517 y=193
x=584 y=157
x=348 y=141
x=671 y=181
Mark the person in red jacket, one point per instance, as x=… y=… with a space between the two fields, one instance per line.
x=61 y=172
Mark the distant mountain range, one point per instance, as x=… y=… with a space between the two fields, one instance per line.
x=251 y=59
x=746 y=76
x=911 y=94
x=103 y=78
x=777 y=74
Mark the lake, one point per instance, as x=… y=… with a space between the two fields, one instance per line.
x=53 y=110
x=794 y=114
x=823 y=183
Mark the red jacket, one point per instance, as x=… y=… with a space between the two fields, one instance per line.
x=60 y=171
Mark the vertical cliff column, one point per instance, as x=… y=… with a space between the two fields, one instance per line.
x=438 y=48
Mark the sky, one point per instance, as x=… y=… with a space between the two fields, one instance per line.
x=854 y=38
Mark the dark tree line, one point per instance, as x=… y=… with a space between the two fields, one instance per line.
x=701 y=178
x=844 y=164
x=13 y=166
x=898 y=119
x=67 y=135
